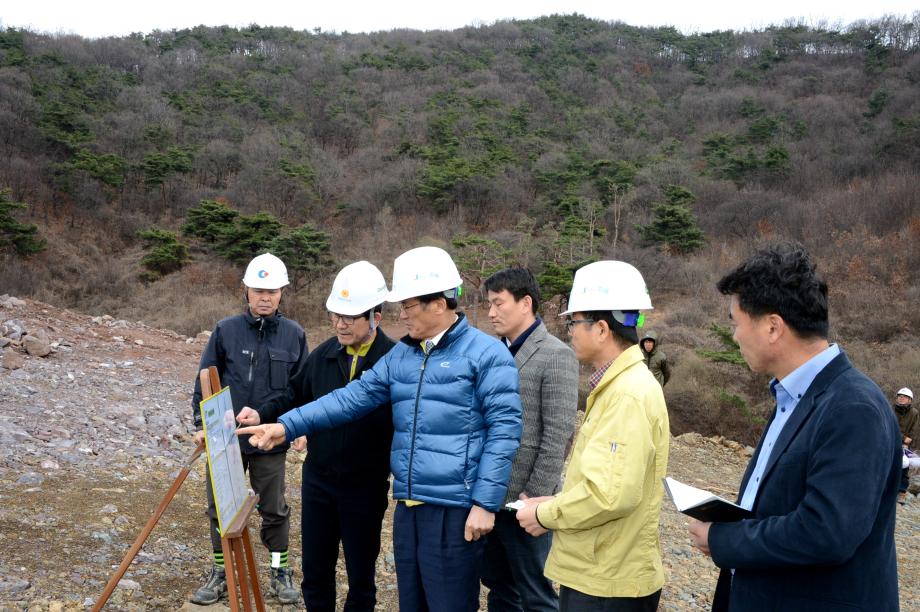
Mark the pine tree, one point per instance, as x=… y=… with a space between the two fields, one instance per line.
x=674 y=227
x=167 y=255
x=15 y=236
x=210 y=221
x=305 y=251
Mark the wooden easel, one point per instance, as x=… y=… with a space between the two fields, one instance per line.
x=235 y=542
x=239 y=564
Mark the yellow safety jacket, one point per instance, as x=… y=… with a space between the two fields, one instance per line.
x=605 y=520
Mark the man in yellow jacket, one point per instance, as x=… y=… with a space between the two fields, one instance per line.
x=606 y=553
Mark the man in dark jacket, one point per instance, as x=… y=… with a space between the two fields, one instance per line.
x=823 y=481
x=256 y=354
x=908 y=421
x=457 y=422
x=655 y=359
x=345 y=476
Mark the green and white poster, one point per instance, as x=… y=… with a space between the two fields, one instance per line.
x=225 y=462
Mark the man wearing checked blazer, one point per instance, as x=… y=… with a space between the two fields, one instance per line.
x=513 y=560
x=823 y=481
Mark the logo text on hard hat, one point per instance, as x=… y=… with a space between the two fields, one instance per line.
x=263 y=273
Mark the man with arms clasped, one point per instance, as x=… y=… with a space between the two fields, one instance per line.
x=513 y=560
x=823 y=481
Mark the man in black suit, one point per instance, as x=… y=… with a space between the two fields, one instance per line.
x=823 y=482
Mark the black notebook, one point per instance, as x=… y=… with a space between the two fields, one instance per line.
x=703 y=505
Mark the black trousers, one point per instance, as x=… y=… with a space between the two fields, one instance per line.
x=266 y=476
x=340 y=511
x=571 y=600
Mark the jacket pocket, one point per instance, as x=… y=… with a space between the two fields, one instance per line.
x=280 y=366
x=577 y=549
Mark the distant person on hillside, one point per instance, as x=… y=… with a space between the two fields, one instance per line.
x=256 y=353
x=345 y=476
x=823 y=481
x=513 y=560
x=457 y=421
x=606 y=553
x=655 y=359
x=908 y=421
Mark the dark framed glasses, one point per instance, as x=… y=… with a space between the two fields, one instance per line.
x=571 y=323
x=335 y=318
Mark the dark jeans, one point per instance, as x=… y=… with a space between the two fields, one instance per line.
x=512 y=568
x=571 y=600
x=436 y=569
x=350 y=512
x=266 y=476
x=905 y=480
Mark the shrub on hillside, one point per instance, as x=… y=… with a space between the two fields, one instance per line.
x=167 y=254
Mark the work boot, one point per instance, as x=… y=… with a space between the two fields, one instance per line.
x=213 y=589
x=902 y=497
x=281 y=586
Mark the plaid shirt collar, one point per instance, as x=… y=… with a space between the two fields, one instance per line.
x=599 y=374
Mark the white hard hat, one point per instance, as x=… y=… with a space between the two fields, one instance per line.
x=608 y=285
x=423 y=271
x=265 y=272
x=907 y=392
x=357 y=288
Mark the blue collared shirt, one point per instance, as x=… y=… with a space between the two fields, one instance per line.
x=787 y=392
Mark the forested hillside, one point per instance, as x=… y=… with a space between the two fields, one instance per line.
x=152 y=166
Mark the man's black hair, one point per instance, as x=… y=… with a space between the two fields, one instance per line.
x=452 y=302
x=519 y=282
x=781 y=279
x=622 y=335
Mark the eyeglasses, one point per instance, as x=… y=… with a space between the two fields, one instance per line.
x=571 y=323
x=407 y=308
x=335 y=318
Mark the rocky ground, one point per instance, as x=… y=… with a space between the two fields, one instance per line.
x=95 y=423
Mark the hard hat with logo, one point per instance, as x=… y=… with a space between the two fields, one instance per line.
x=265 y=272
x=423 y=271
x=357 y=288
x=608 y=285
x=907 y=392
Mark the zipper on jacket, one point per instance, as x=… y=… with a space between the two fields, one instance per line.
x=252 y=355
x=418 y=395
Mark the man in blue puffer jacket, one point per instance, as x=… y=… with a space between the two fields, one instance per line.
x=457 y=422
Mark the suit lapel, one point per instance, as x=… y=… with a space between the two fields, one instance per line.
x=530 y=346
x=805 y=408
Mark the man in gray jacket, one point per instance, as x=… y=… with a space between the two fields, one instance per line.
x=513 y=560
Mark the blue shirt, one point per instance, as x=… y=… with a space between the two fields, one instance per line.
x=787 y=392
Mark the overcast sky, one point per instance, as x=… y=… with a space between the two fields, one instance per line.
x=97 y=18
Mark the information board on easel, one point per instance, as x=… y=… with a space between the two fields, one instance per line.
x=225 y=463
